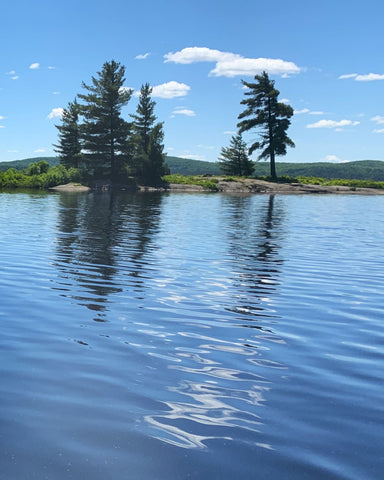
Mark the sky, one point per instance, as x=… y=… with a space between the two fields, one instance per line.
x=326 y=58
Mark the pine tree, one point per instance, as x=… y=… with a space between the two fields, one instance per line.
x=272 y=117
x=69 y=146
x=104 y=131
x=147 y=140
x=234 y=159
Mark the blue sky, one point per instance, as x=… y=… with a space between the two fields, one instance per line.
x=326 y=58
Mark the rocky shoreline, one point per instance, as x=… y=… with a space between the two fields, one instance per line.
x=244 y=186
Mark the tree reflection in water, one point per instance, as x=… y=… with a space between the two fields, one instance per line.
x=102 y=239
x=254 y=248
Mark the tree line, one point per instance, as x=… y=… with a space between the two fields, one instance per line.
x=95 y=138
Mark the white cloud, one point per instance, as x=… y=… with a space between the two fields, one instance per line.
x=230 y=132
x=142 y=56
x=12 y=151
x=231 y=64
x=51 y=68
x=192 y=157
x=34 y=66
x=184 y=111
x=378 y=130
x=39 y=150
x=56 y=113
x=128 y=89
x=56 y=93
x=170 y=90
x=285 y=100
x=2 y=126
x=332 y=124
x=253 y=66
x=334 y=159
x=378 y=119
x=348 y=75
x=13 y=75
x=1 y=117
x=306 y=110
x=369 y=77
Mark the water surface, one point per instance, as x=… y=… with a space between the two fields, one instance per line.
x=175 y=336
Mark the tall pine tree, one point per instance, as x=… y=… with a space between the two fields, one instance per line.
x=263 y=111
x=104 y=131
x=69 y=146
x=234 y=159
x=147 y=140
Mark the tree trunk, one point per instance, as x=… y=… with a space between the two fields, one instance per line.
x=272 y=162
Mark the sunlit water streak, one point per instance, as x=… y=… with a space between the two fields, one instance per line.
x=191 y=336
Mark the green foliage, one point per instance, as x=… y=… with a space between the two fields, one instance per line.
x=147 y=141
x=35 y=177
x=37 y=168
x=271 y=117
x=234 y=159
x=192 y=180
x=69 y=147
x=104 y=131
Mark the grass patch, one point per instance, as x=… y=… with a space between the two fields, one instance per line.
x=210 y=184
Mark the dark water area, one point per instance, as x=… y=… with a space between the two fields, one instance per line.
x=191 y=336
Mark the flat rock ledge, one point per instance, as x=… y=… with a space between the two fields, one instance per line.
x=249 y=185
x=70 y=187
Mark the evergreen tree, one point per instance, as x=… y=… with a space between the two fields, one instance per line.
x=104 y=131
x=147 y=140
x=272 y=117
x=234 y=159
x=69 y=146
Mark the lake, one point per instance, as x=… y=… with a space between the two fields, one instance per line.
x=191 y=336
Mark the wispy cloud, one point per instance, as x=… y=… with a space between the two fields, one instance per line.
x=308 y=111
x=378 y=119
x=142 y=56
x=231 y=64
x=34 y=66
x=192 y=156
x=170 y=90
x=39 y=150
x=184 y=111
x=56 y=113
x=378 y=130
x=334 y=159
x=230 y=132
x=369 y=77
x=332 y=124
x=13 y=75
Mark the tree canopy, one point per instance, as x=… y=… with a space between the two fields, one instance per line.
x=272 y=118
x=104 y=131
x=234 y=159
x=94 y=135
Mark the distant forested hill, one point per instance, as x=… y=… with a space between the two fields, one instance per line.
x=21 y=164
x=360 y=170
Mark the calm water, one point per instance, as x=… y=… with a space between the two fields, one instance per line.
x=184 y=336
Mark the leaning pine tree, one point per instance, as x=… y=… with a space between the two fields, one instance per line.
x=69 y=145
x=264 y=112
x=234 y=159
x=104 y=131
